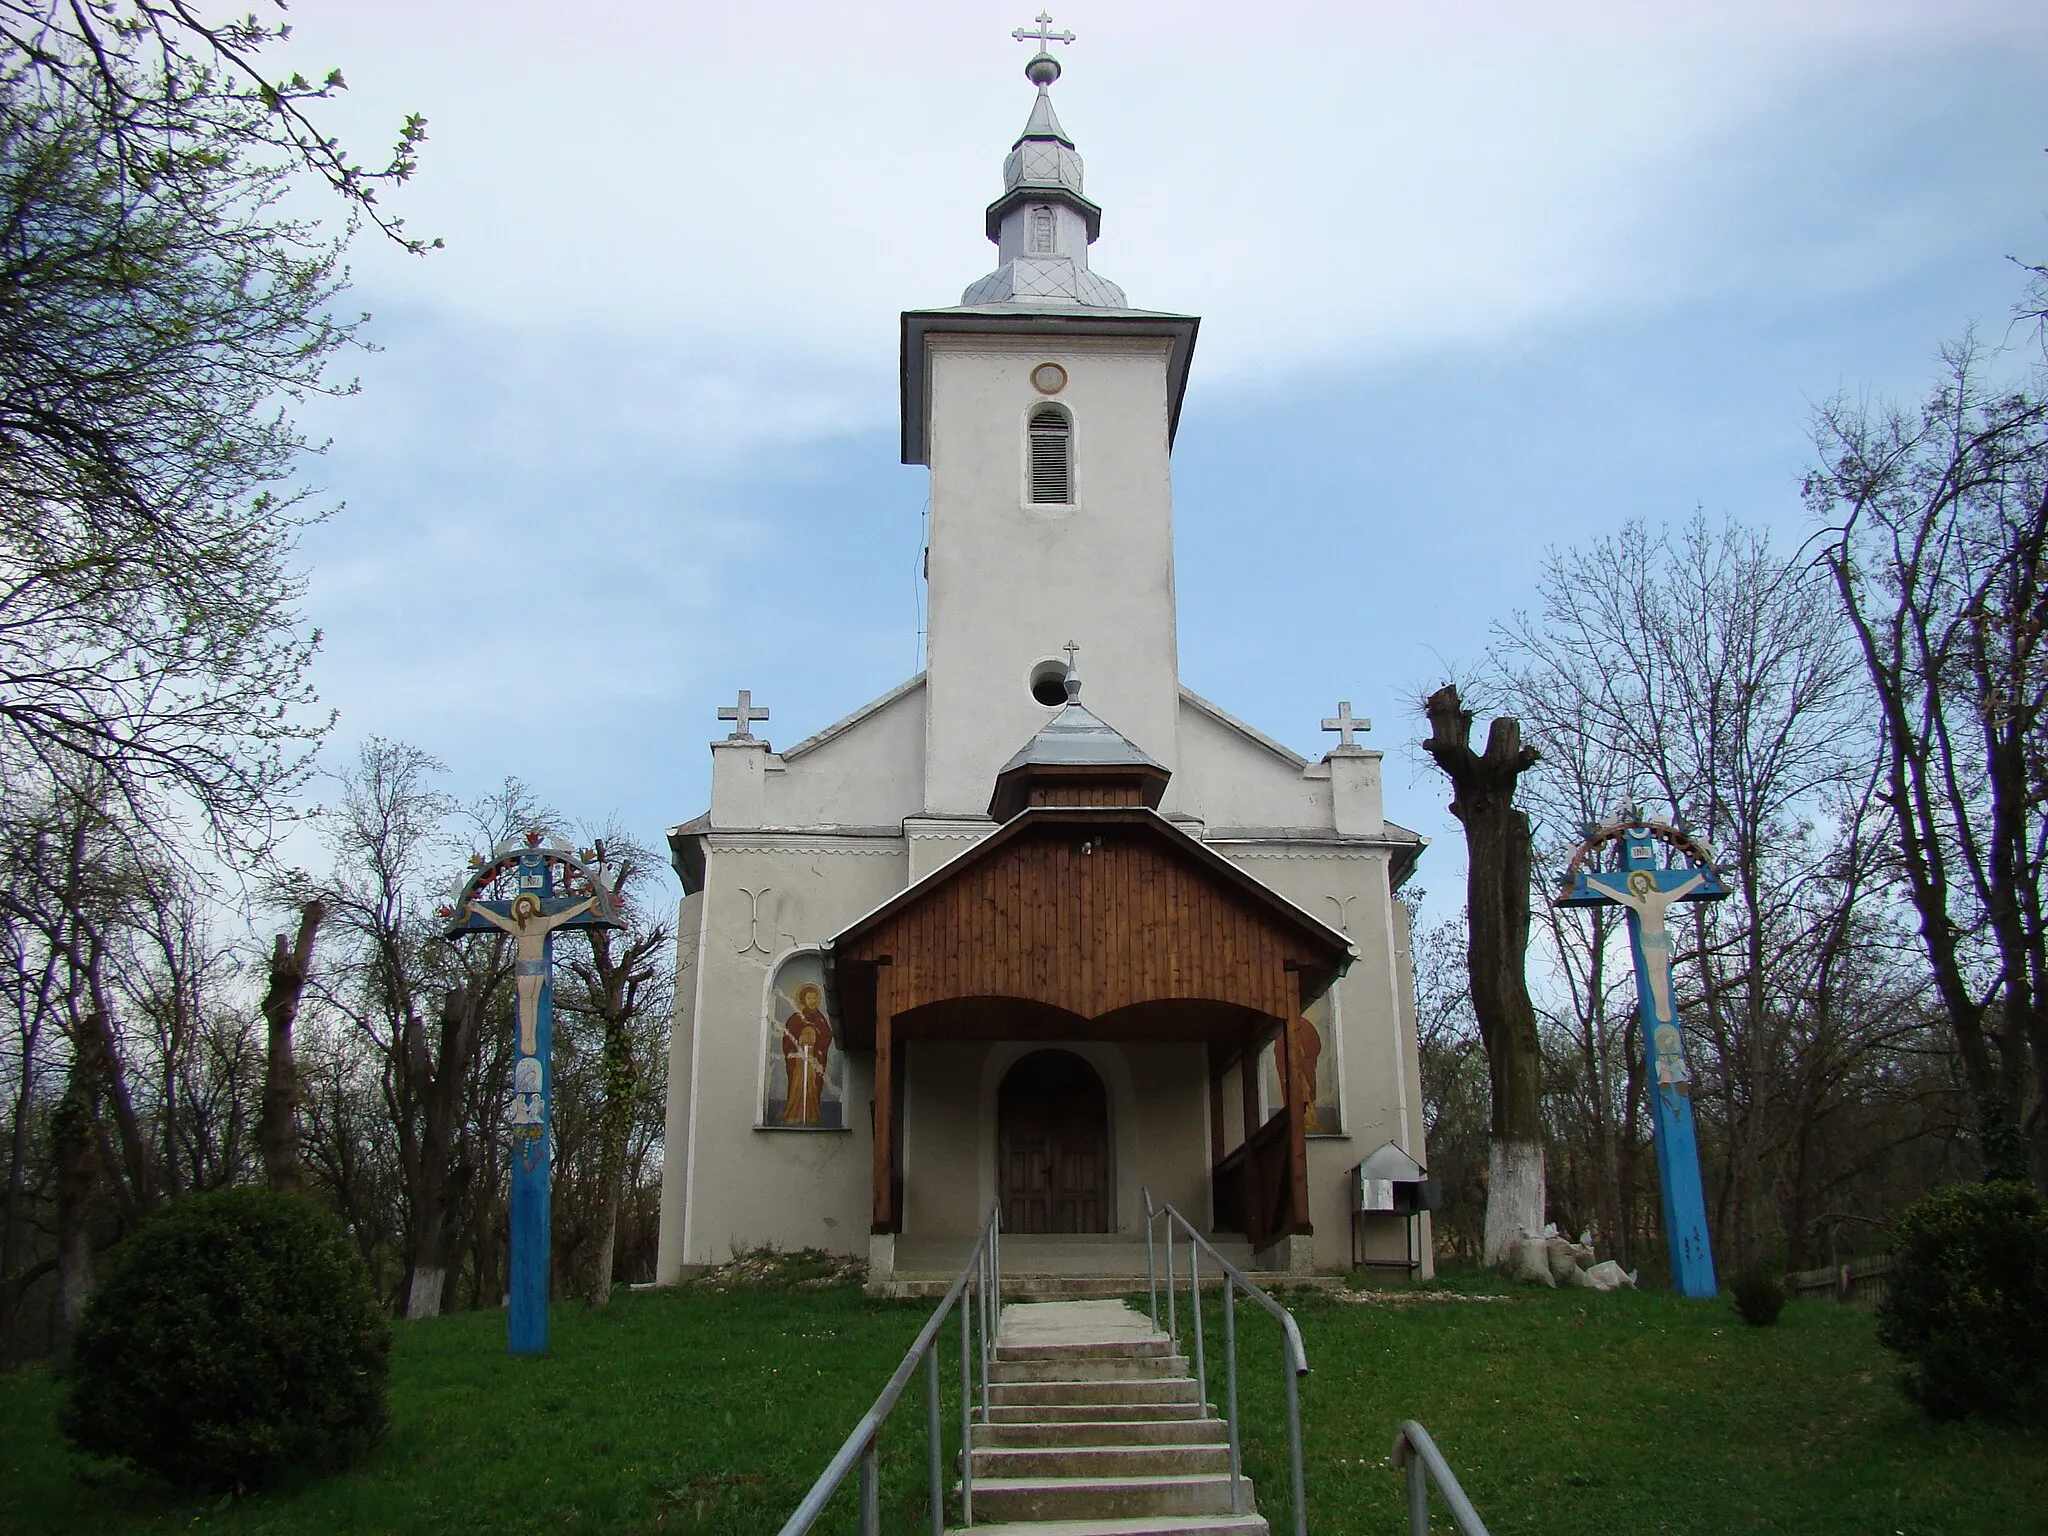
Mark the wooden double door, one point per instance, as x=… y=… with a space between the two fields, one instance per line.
x=1052 y=1146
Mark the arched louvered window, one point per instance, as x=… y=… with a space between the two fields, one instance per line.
x=1052 y=456
x=1041 y=231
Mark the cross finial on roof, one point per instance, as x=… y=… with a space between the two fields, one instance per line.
x=1041 y=69
x=1344 y=723
x=743 y=715
x=1073 y=677
x=1044 y=34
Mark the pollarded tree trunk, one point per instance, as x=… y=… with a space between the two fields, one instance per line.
x=1499 y=859
x=277 y=1132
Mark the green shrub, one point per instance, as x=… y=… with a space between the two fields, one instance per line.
x=235 y=1335
x=1759 y=1298
x=1967 y=1305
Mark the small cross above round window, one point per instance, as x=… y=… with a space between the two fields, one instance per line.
x=1048 y=378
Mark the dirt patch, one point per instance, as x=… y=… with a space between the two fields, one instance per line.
x=776 y=1269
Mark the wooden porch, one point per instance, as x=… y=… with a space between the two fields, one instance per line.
x=1076 y=922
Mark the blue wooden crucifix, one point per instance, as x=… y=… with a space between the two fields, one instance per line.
x=1636 y=878
x=527 y=889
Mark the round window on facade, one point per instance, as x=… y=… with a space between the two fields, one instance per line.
x=1049 y=683
x=1048 y=378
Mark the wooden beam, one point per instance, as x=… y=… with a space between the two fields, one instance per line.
x=886 y=1218
x=1248 y=1086
x=1297 y=1133
x=1218 y=1065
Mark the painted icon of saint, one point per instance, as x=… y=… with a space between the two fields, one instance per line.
x=806 y=1054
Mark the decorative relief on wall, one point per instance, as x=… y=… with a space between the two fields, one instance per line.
x=754 y=916
x=1314 y=1037
x=804 y=1078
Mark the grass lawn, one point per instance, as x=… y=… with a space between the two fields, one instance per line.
x=699 y=1410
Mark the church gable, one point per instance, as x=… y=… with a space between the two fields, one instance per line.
x=1232 y=776
x=866 y=770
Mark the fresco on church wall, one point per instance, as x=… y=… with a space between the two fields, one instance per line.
x=804 y=1078
x=1316 y=1051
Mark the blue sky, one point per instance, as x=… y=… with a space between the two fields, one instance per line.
x=1475 y=279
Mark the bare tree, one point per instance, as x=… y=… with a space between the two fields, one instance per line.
x=1936 y=537
x=1498 y=870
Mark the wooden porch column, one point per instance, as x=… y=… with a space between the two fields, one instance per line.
x=1218 y=1065
x=1297 y=1130
x=1248 y=1088
x=887 y=1107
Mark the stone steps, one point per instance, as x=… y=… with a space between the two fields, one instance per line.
x=1097 y=1429
x=1094 y=1498
x=1143 y=1525
x=1091 y=1461
x=1188 y=1431
x=1179 y=1389
x=1089 y=1413
x=1065 y=1367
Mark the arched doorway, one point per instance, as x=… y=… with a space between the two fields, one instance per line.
x=1052 y=1145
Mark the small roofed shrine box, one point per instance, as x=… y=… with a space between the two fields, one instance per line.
x=1390 y=1183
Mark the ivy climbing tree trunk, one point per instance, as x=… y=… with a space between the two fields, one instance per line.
x=1499 y=858
x=277 y=1132
x=616 y=986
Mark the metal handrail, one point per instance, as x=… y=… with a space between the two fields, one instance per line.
x=1414 y=1450
x=1294 y=1362
x=981 y=1277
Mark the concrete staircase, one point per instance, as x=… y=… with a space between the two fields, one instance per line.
x=1097 y=1430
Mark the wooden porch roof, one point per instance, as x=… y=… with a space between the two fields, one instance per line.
x=1071 y=921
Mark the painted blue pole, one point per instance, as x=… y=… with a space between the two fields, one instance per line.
x=1670 y=1080
x=532 y=1203
x=532 y=1160
x=1648 y=892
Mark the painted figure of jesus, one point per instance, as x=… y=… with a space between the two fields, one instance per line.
x=530 y=955
x=1651 y=907
x=806 y=1052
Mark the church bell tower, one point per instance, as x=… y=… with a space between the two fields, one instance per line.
x=1044 y=407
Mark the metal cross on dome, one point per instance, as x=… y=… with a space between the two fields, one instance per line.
x=743 y=715
x=1344 y=723
x=1043 y=35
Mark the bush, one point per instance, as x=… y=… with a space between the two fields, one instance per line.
x=1759 y=1298
x=235 y=1335
x=1967 y=1306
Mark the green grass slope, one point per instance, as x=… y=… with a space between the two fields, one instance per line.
x=704 y=1410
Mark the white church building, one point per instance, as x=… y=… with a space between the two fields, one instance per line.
x=1000 y=937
